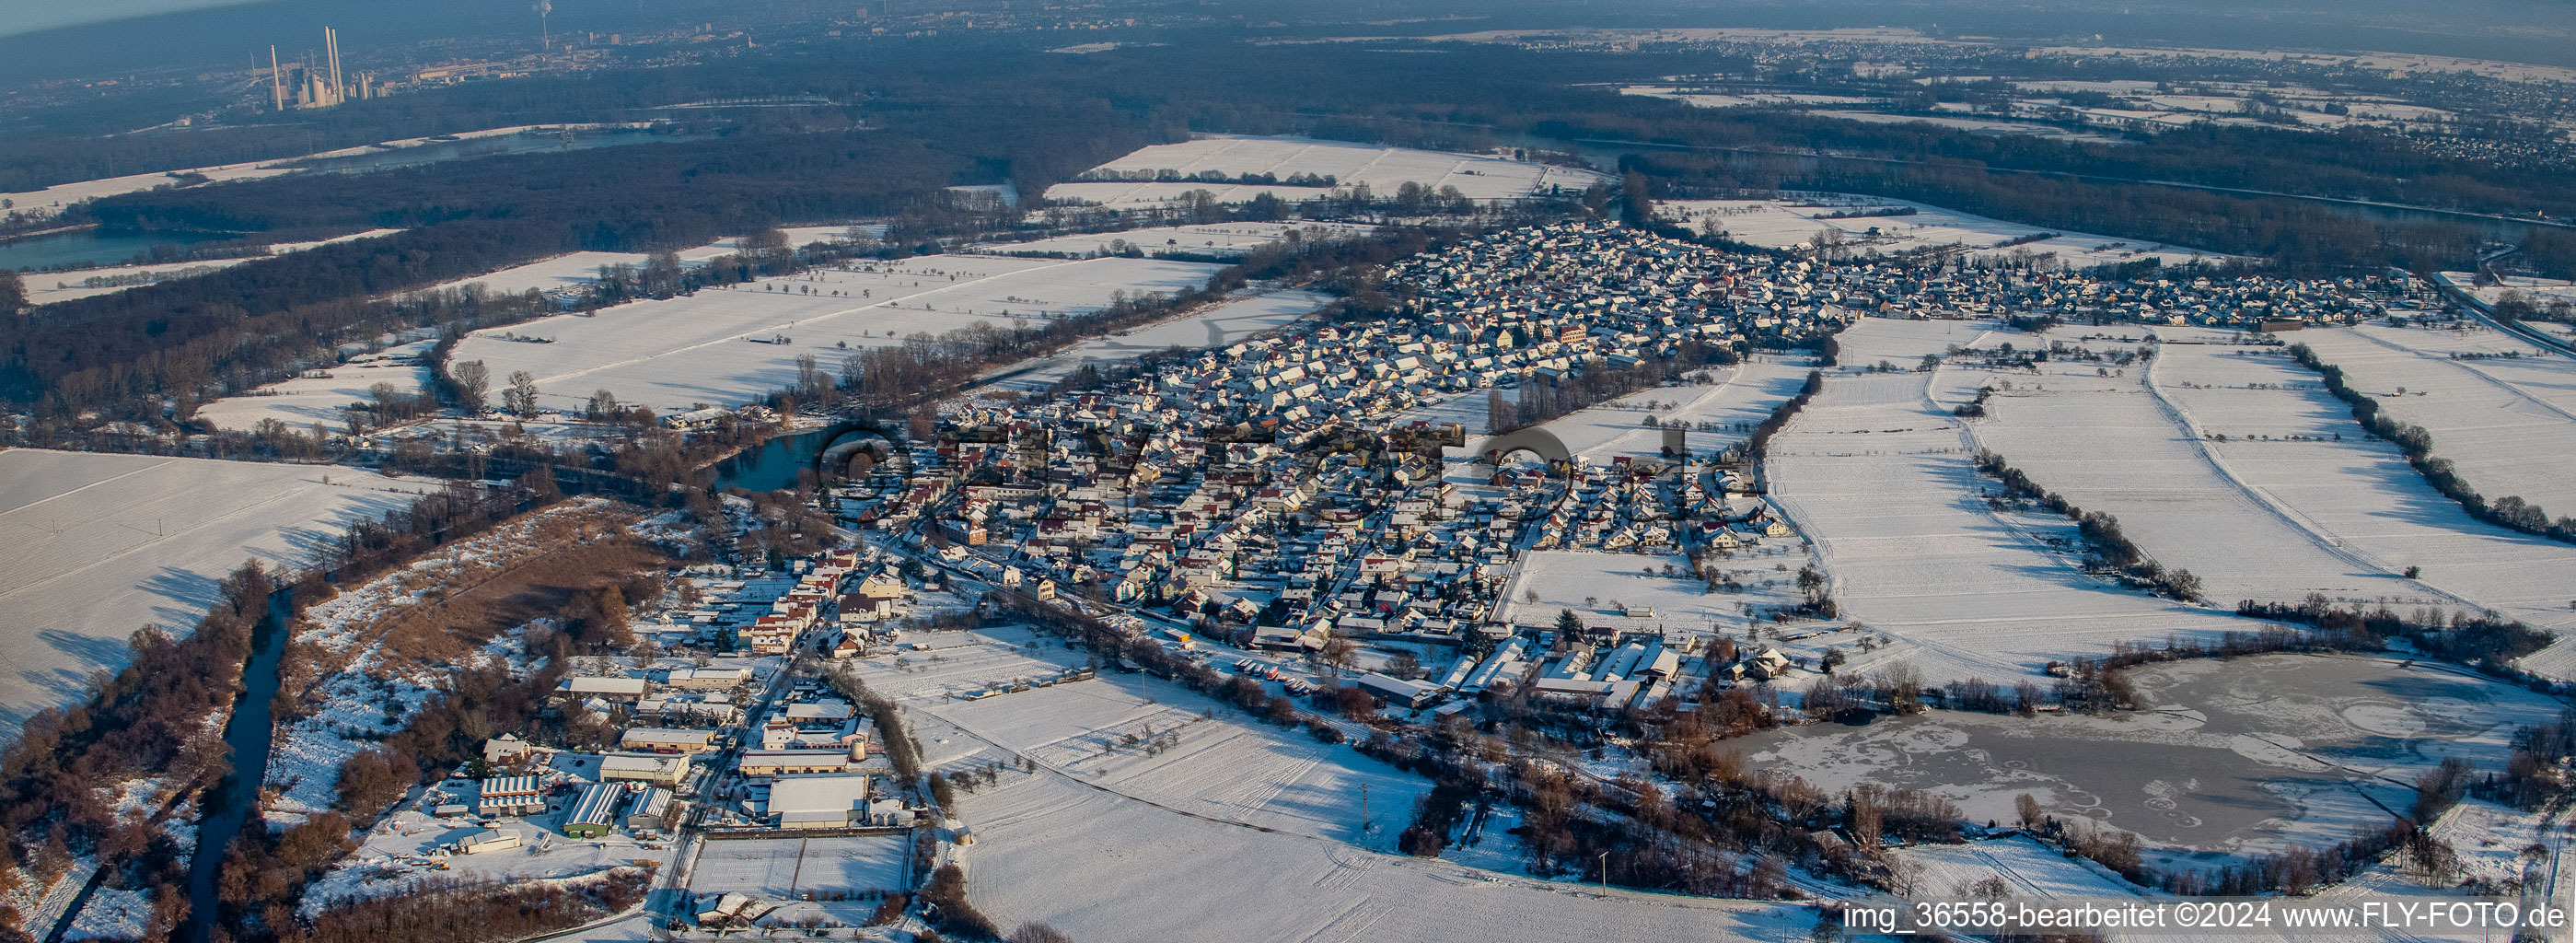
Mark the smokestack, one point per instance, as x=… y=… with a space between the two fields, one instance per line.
x=331 y=37
x=276 y=85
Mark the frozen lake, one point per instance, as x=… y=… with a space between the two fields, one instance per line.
x=2225 y=756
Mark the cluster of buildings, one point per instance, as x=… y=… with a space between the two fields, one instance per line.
x=1287 y=490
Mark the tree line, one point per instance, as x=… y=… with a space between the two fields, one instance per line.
x=2510 y=512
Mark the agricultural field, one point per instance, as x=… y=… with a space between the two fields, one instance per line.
x=1617 y=589
x=2240 y=756
x=1876 y=474
x=108 y=543
x=1217 y=239
x=1212 y=326
x=1214 y=764
x=1093 y=864
x=2136 y=462
x=728 y=346
x=317 y=396
x=1796 y=222
x=1383 y=169
x=580 y=269
x=2499 y=408
x=2296 y=449
x=1746 y=393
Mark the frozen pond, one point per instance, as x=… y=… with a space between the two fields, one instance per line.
x=2228 y=756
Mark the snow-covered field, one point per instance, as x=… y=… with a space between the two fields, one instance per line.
x=47 y=288
x=2029 y=868
x=309 y=399
x=1209 y=239
x=1788 y=223
x=1745 y=393
x=2135 y=461
x=2507 y=423
x=1270 y=816
x=578 y=269
x=101 y=544
x=2295 y=448
x=48 y=201
x=1383 y=169
x=1601 y=587
x=706 y=347
x=1102 y=867
x=1877 y=475
x=1223 y=767
x=1213 y=326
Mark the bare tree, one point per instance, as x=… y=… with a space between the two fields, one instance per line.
x=521 y=398
x=473 y=384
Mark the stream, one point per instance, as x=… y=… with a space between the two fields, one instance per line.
x=228 y=807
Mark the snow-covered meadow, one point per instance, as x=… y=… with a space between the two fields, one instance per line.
x=2501 y=409
x=2296 y=449
x=1218 y=239
x=1746 y=393
x=317 y=397
x=2111 y=444
x=1786 y=223
x=1877 y=474
x=102 y=544
x=716 y=346
x=1383 y=169
x=1212 y=326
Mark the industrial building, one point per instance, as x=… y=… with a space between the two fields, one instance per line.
x=594 y=812
x=651 y=769
x=826 y=800
x=509 y=795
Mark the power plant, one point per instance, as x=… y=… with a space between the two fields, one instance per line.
x=311 y=86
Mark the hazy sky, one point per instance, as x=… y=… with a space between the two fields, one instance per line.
x=27 y=16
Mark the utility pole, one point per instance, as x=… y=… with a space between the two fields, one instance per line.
x=1605 y=875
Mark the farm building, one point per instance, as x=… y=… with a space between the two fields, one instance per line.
x=594 y=812
x=643 y=768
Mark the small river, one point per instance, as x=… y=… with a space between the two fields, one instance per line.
x=773 y=464
x=230 y=806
